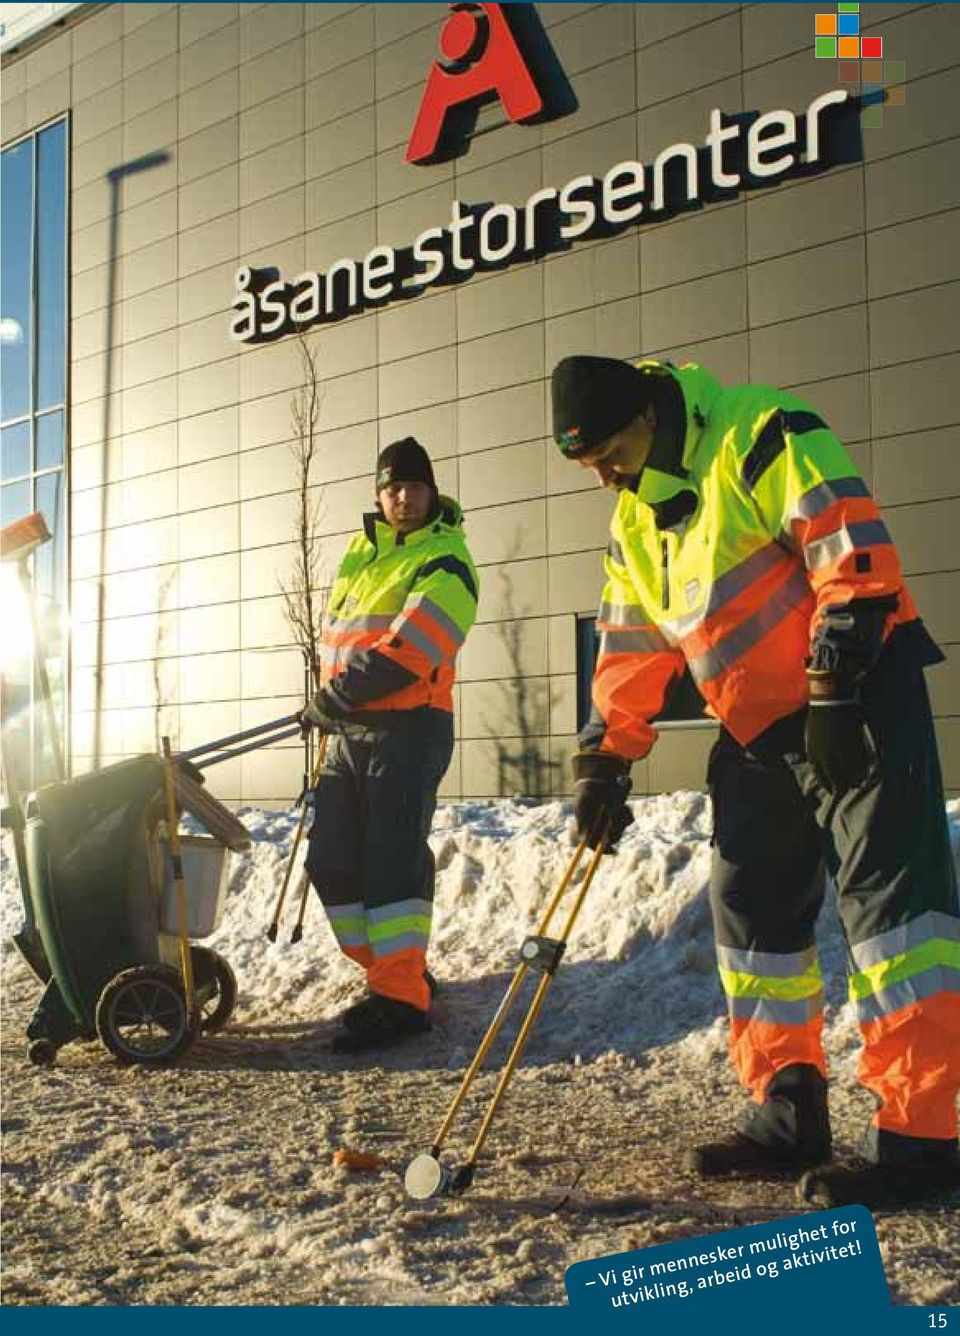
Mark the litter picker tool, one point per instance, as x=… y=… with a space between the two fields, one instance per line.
x=303 y=889
x=291 y=861
x=426 y=1175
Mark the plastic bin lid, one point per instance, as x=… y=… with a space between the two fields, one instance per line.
x=210 y=812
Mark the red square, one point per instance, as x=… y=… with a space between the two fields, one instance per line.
x=871 y=48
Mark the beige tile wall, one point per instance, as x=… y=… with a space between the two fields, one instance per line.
x=284 y=127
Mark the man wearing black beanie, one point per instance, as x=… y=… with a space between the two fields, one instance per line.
x=746 y=550
x=404 y=599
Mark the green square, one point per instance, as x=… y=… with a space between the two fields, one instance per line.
x=848 y=9
x=871 y=118
x=894 y=71
x=826 y=48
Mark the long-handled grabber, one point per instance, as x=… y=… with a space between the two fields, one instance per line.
x=426 y=1175
x=291 y=861
x=303 y=889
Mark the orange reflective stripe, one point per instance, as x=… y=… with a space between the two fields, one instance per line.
x=911 y=1062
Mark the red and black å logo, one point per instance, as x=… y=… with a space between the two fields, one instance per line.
x=488 y=53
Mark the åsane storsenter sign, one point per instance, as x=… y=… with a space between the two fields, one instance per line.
x=770 y=147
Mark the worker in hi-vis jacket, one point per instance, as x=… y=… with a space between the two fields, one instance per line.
x=746 y=548
x=401 y=606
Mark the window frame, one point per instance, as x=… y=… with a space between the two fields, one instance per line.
x=35 y=413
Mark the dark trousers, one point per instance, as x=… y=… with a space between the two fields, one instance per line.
x=887 y=847
x=368 y=853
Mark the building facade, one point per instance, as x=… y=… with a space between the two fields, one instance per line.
x=173 y=145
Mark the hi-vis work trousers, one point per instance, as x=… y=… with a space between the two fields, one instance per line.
x=368 y=854
x=887 y=847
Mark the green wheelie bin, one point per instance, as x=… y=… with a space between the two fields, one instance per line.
x=100 y=927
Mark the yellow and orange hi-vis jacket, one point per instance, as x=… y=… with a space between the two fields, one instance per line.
x=726 y=557
x=400 y=608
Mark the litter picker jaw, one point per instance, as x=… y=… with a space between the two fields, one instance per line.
x=427 y=1177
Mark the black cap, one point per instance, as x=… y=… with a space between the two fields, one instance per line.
x=404 y=461
x=593 y=397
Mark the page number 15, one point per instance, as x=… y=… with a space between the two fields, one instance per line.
x=938 y=1320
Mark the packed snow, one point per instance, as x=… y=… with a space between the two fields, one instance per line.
x=225 y=1160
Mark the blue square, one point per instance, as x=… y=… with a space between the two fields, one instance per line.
x=848 y=25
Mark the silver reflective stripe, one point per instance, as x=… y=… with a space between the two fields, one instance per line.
x=349 y=938
x=871 y=533
x=773 y=1011
x=897 y=940
x=733 y=646
x=374 y=622
x=827 y=550
x=412 y=633
x=825 y=494
x=433 y=610
x=616 y=551
x=632 y=642
x=399 y=909
x=622 y=614
x=939 y=979
x=402 y=942
x=728 y=586
x=768 y=964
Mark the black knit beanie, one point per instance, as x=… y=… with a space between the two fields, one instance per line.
x=594 y=397
x=404 y=461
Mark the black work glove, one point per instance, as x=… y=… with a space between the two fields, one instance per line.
x=324 y=712
x=602 y=785
x=838 y=742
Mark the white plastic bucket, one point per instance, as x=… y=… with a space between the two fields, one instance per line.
x=206 y=873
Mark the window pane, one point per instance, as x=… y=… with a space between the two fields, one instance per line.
x=51 y=259
x=16 y=187
x=49 y=440
x=15 y=451
x=15 y=502
x=48 y=559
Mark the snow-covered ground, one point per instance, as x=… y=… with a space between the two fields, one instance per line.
x=133 y=1186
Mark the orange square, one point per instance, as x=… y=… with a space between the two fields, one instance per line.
x=826 y=25
x=848 y=48
x=872 y=71
x=896 y=95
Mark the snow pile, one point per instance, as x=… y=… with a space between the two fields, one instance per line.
x=639 y=970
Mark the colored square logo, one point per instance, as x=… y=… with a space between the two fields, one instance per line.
x=894 y=71
x=826 y=48
x=871 y=71
x=871 y=118
x=872 y=48
x=897 y=95
x=826 y=25
x=848 y=9
x=848 y=25
x=848 y=71
x=848 y=48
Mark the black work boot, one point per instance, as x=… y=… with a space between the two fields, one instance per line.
x=788 y=1132
x=893 y=1172
x=379 y=1022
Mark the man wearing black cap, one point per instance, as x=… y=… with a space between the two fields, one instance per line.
x=746 y=549
x=404 y=599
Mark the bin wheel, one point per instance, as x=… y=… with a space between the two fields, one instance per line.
x=218 y=1008
x=142 y=1016
x=42 y=1053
